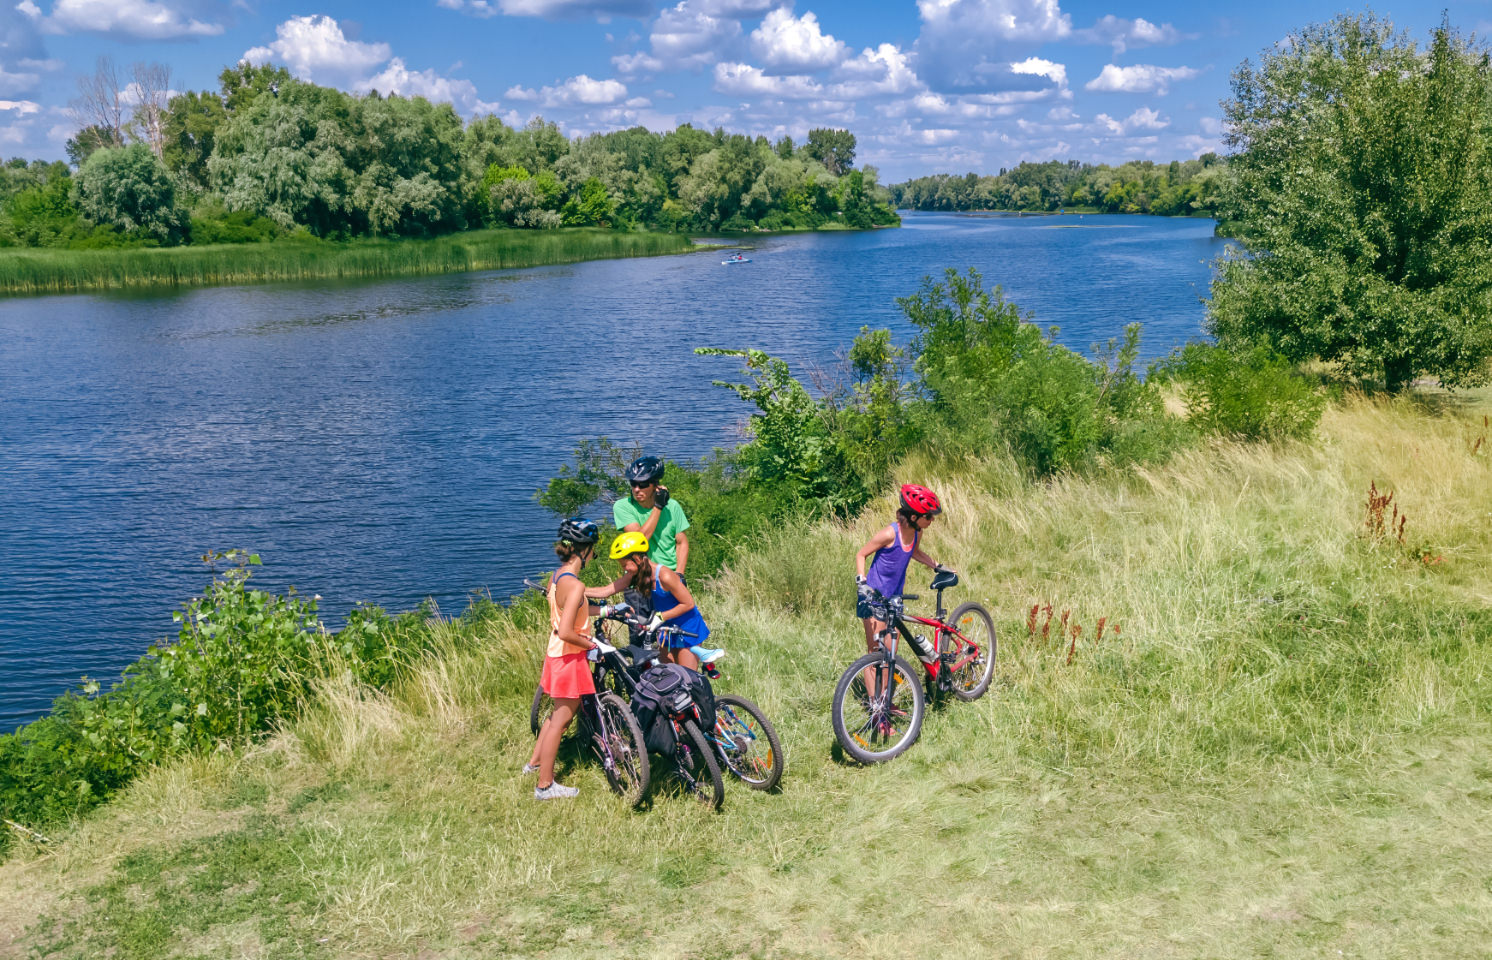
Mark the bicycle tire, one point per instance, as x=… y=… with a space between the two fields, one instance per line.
x=738 y=738
x=696 y=767
x=870 y=720
x=981 y=671
x=539 y=710
x=629 y=772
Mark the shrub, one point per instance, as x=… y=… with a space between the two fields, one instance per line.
x=130 y=190
x=1250 y=395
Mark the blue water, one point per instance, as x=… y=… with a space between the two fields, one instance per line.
x=382 y=441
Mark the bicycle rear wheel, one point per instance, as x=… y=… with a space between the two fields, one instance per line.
x=622 y=752
x=539 y=710
x=747 y=743
x=876 y=725
x=972 y=677
x=694 y=762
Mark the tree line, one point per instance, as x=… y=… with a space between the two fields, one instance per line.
x=267 y=156
x=1178 y=188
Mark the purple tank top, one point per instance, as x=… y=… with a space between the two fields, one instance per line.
x=888 y=568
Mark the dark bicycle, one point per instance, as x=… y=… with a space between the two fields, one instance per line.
x=694 y=762
x=879 y=701
x=605 y=722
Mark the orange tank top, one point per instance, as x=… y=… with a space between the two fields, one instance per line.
x=557 y=646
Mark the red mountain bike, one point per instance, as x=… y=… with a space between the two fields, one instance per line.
x=878 y=704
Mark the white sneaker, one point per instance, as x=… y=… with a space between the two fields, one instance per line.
x=529 y=768
x=706 y=655
x=555 y=791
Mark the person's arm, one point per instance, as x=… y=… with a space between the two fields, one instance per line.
x=681 y=549
x=614 y=587
x=676 y=589
x=571 y=606
x=921 y=557
x=655 y=515
x=880 y=541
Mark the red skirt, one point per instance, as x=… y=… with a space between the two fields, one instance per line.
x=567 y=677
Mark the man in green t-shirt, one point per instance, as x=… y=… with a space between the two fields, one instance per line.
x=650 y=512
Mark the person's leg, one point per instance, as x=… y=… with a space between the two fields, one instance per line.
x=685 y=658
x=549 y=738
x=873 y=628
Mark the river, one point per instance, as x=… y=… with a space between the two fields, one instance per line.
x=382 y=441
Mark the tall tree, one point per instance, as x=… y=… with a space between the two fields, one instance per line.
x=190 y=130
x=835 y=149
x=151 y=89
x=1363 y=182
x=128 y=188
x=100 y=105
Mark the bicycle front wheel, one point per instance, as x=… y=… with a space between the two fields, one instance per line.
x=877 y=722
x=539 y=710
x=620 y=746
x=971 y=663
x=747 y=743
x=695 y=764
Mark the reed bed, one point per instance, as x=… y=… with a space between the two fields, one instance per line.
x=1280 y=753
x=67 y=271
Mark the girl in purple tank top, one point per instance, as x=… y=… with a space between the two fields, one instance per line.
x=890 y=552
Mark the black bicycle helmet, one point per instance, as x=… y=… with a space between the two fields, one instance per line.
x=645 y=470
x=579 y=531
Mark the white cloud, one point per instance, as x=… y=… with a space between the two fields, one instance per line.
x=1142 y=119
x=886 y=70
x=1124 y=34
x=576 y=91
x=477 y=8
x=1038 y=20
x=315 y=49
x=1140 y=78
x=142 y=19
x=744 y=80
x=789 y=44
x=575 y=9
x=734 y=8
x=1037 y=67
x=1212 y=126
x=969 y=45
x=14 y=83
x=685 y=36
x=397 y=78
x=22 y=108
x=633 y=64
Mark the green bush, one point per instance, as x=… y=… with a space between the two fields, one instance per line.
x=1250 y=395
x=212 y=223
x=242 y=660
x=995 y=379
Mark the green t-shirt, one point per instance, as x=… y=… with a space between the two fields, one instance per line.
x=661 y=544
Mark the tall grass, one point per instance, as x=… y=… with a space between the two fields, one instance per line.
x=63 y=271
x=1280 y=753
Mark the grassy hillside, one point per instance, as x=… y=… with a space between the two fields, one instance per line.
x=1280 y=751
x=66 y=271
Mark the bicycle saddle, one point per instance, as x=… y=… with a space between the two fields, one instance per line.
x=944 y=580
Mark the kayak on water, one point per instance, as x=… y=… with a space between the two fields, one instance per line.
x=736 y=259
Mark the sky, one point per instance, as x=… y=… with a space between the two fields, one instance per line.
x=926 y=86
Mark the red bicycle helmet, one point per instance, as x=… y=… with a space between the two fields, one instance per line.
x=920 y=500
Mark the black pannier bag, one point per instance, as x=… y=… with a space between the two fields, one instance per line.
x=656 y=699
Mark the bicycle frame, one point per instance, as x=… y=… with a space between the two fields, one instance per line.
x=896 y=622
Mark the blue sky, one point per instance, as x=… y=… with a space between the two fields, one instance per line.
x=926 y=85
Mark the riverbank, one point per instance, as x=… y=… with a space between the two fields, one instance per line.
x=1274 y=749
x=43 y=271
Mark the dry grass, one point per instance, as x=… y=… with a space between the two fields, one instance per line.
x=1279 y=754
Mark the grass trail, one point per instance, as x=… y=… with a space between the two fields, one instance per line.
x=1280 y=753
x=67 y=271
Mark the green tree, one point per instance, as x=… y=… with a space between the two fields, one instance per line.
x=130 y=189
x=1363 y=184
x=80 y=146
x=835 y=149
x=190 y=130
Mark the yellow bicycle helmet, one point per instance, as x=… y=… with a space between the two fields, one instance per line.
x=627 y=544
